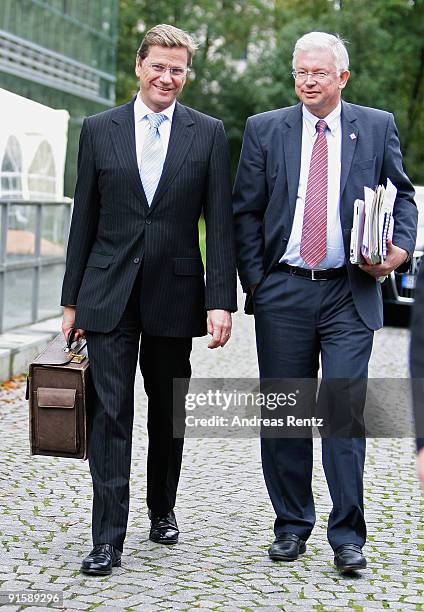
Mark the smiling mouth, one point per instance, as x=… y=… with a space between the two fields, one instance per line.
x=162 y=88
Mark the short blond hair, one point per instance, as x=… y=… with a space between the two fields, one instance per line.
x=165 y=35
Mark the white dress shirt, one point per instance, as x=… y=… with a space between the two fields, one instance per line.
x=141 y=124
x=335 y=250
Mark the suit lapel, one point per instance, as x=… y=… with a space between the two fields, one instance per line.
x=349 y=140
x=123 y=139
x=182 y=133
x=292 y=137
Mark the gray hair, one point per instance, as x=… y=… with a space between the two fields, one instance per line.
x=322 y=40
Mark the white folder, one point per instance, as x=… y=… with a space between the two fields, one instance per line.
x=357 y=232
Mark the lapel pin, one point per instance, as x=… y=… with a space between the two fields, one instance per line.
x=352 y=136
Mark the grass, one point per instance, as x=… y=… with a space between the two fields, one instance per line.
x=202 y=239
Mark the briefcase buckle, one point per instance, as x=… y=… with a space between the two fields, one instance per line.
x=76 y=358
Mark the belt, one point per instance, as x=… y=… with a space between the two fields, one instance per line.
x=315 y=275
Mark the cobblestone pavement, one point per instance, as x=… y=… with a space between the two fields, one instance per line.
x=224 y=514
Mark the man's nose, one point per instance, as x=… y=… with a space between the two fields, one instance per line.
x=165 y=77
x=310 y=79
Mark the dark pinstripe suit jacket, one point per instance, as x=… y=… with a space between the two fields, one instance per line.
x=114 y=231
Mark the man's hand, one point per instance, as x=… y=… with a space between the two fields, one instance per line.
x=219 y=327
x=420 y=466
x=395 y=257
x=68 y=323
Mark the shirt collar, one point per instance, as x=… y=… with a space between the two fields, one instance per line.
x=141 y=110
x=332 y=119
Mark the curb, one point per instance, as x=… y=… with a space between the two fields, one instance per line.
x=20 y=346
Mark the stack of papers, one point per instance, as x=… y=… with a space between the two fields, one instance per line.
x=372 y=224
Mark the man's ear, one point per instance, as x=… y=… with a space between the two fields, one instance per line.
x=137 y=67
x=344 y=79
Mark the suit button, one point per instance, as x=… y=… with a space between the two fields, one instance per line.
x=136 y=260
x=148 y=221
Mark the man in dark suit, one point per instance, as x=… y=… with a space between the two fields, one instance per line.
x=417 y=368
x=300 y=171
x=134 y=281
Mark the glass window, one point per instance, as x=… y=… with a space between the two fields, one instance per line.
x=18 y=295
x=21 y=233
x=54 y=227
x=42 y=173
x=51 y=278
x=11 y=170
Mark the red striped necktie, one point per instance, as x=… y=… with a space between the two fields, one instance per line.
x=313 y=244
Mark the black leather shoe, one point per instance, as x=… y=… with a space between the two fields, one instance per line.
x=287 y=547
x=349 y=558
x=163 y=529
x=101 y=560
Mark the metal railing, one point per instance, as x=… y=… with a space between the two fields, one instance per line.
x=33 y=240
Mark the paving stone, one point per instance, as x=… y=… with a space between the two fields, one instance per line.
x=71 y=603
x=223 y=510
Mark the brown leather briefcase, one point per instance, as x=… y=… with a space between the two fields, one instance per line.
x=60 y=397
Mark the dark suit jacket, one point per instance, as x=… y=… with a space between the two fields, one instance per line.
x=266 y=190
x=114 y=231
x=417 y=356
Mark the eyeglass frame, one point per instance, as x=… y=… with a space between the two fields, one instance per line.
x=314 y=75
x=170 y=68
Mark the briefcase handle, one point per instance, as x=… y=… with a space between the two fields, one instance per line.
x=79 y=345
x=70 y=339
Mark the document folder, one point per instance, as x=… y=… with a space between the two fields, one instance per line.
x=372 y=224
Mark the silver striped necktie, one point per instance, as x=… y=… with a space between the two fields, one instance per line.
x=151 y=162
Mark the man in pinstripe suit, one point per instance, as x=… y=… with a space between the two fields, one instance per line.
x=134 y=281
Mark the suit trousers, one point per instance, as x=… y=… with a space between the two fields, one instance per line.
x=298 y=321
x=113 y=361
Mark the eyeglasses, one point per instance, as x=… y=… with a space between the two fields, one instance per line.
x=301 y=75
x=173 y=71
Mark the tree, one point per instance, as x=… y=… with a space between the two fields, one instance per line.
x=243 y=64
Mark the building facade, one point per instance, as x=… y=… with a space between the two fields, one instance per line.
x=61 y=53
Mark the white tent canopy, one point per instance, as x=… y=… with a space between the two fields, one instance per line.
x=33 y=140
